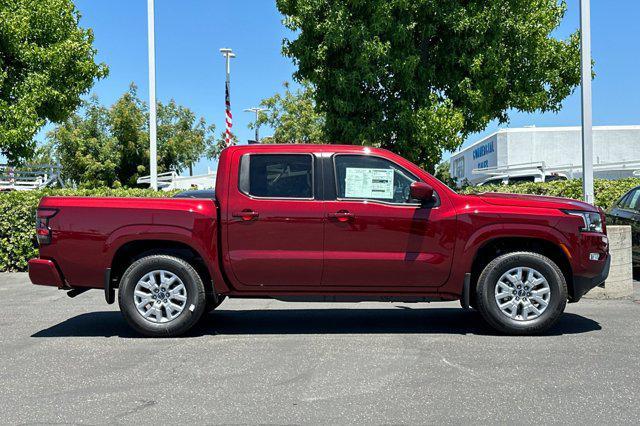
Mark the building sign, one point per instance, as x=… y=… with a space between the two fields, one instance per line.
x=480 y=152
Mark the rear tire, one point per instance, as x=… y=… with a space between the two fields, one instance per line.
x=521 y=293
x=161 y=296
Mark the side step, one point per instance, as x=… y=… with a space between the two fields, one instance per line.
x=76 y=291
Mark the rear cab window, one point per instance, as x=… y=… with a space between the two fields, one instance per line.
x=277 y=175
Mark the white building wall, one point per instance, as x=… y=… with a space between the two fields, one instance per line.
x=553 y=146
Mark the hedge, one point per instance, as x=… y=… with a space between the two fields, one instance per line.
x=17 y=209
x=17 y=219
x=606 y=191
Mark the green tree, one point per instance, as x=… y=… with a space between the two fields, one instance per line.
x=292 y=116
x=46 y=63
x=88 y=153
x=418 y=76
x=110 y=146
x=443 y=172
x=182 y=138
x=128 y=123
x=214 y=150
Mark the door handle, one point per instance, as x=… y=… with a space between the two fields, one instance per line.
x=246 y=214
x=342 y=215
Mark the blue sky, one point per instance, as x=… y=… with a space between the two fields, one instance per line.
x=191 y=70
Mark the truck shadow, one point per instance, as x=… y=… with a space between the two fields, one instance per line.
x=314 y=321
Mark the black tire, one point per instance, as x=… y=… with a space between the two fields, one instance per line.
x=488 y=306
x=194 y=305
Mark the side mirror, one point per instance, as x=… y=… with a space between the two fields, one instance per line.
x=421 y=191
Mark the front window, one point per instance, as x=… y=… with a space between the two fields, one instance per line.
x=364 y=177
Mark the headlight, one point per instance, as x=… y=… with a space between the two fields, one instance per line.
x=592 y=220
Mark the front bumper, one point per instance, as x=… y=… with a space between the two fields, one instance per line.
x=44 y=272
x=581 y=285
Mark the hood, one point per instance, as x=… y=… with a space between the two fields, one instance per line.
x=539 y=201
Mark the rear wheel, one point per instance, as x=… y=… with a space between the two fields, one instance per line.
x=521 y=293
x=161 y=295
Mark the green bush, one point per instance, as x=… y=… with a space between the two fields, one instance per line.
x=606 y=191
x=17 y=219
x=18 y=209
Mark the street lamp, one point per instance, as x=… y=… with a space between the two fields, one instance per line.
x=587 y=133
x=228 y=54
x=257 y=110
x=153 y=162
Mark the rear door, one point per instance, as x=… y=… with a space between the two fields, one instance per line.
x=375 y=235
x=275 y=220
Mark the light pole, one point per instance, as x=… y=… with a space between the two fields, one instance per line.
x=228 y=54
x=587 y=132
x=257 y=110
x=153 y=162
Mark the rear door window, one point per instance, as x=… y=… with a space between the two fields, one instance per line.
x=277 y=175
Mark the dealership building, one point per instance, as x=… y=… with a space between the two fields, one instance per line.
x=546 y=153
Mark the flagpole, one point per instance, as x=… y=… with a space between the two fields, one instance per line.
x=228 y=54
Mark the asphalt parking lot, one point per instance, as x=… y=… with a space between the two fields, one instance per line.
x=76 y=361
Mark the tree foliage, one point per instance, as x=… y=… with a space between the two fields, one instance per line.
x=443 y=173
x=110 y=146
x=418 y=76
x=292 y=116
x=46 y=63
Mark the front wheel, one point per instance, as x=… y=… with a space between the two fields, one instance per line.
x=161 y=295
x=521 y=293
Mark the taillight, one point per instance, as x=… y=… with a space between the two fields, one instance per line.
x=43 y=232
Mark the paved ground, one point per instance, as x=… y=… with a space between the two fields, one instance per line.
x=75 y=360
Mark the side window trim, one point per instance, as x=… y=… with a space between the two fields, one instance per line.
x=244 y=176
x=334 y=172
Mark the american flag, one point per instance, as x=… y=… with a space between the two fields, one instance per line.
x=228 y=116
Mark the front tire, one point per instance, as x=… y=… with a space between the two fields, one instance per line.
x=161 y=296
x=521 y=293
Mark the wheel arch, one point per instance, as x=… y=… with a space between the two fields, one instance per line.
x=498 y=246
x=131 y=251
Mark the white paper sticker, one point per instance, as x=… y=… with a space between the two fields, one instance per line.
x=368 y=183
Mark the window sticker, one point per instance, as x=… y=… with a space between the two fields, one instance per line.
x=368 y=183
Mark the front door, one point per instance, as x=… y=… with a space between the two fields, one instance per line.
x=275 y=227
x=376 y=236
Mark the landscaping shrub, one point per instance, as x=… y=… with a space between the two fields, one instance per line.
x=18 y=208
x=17 y=219
x=606 y=191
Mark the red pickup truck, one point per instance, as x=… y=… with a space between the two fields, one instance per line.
x=324 y=222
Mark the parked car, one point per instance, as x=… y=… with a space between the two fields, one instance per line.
x=626 y=211
x=510 y=179
x=307 y=222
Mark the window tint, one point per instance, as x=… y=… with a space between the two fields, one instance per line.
x=277 y=176
x=371 y=178
x=632 y=202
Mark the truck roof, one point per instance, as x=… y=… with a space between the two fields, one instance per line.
x=307 y=147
